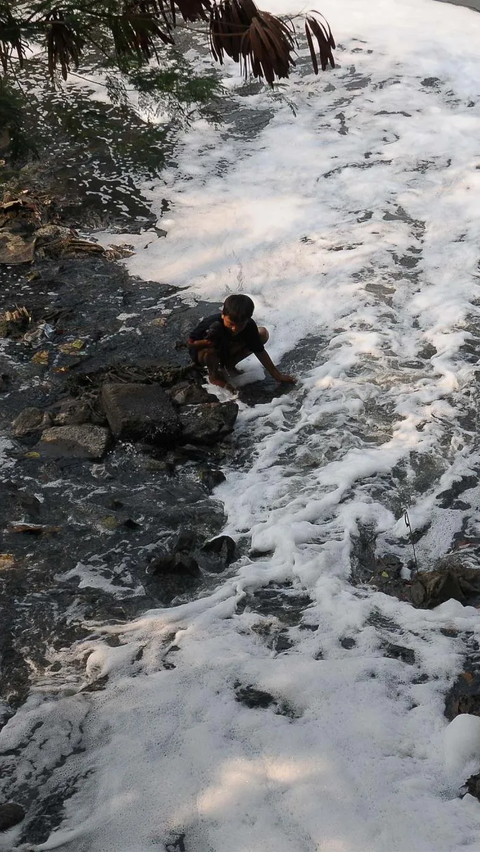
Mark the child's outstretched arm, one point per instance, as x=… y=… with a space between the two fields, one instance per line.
x=270 y=367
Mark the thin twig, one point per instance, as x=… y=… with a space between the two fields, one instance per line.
x=407 y=524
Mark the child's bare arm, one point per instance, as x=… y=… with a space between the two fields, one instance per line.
x=270 y=367
x=199 y=344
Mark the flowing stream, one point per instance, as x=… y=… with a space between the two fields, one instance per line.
x=293 y=706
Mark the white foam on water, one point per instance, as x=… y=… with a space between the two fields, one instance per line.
x=462 y=744
x=354 y=223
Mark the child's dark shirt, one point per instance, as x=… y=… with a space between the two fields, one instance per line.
x=249 y=337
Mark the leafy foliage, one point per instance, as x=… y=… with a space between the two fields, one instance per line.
x=181 y=91
x=128 y=34
x=11 y=120
x=261 y=42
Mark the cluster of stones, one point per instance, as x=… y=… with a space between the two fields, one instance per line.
x=134 y=412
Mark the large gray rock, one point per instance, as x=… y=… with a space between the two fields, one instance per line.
x=207 y=423
x=137 y=412
x=29 y=420
x=452 y=579
x=84 y=442
x=188 y=393
x=10 y=815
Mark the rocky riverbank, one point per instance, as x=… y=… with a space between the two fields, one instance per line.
x=111 y=449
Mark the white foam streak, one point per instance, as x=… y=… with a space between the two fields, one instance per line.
x=354 y=225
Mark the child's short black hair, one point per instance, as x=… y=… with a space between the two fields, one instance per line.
x=239 y=308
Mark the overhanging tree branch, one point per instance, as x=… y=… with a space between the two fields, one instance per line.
x=263 y=44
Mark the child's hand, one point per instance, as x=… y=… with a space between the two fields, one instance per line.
x=286 y=379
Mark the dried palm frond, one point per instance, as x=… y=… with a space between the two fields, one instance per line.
x=262 y=43
x=150 y=19
x=320 y=30
x=10 y=38
x=64 y=45
x=192 y=10
x=136 y=33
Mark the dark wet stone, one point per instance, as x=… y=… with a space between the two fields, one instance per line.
x=406 y=261
x=10 y=815
x=97 y=685
x=348 y=642
x=15 y=681
x=359 y=83
x=264 y=391
x=257 y=699
x=451 y=632
x=215 y=555
x=28 y=421
x=253 y=698
x=427 y=351
x=451 y=580
x=283 y=602
x=173 y=575
x=83 y=442
x=185 y=540
x=176 y=563
x=399 y=652
x=472 y=786
x=387 y=577
x=74 y=414
x=365 y=217
x=210 y=477
x=222 y=545
x=447 y=497
x=282 y=642
x=256 y=553
x=20 y=502
x=207 y=423
x=176 y=845
x=187 y=393
x=46 y=814
x=137 y=412
x=378 y=619
x=421 y=678
x=192 y=452
x=464 y=695
x=130 y=524
x=460 y=505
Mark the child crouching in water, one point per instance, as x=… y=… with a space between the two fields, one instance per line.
x=220 y=341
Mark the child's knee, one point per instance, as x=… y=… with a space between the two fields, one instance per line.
x=207 y=358
x=264 y=335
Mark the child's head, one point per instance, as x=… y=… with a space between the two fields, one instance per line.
x=236 y=312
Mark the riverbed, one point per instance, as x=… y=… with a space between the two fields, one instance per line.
x=291 y=702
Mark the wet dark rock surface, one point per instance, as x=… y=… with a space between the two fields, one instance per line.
x=84 y=441
x=90 y=502
x=140 y=412
x=464 y=696
x=10 y=815
x=451 y=577
x=258 y=699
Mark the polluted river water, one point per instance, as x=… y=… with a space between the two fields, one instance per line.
x=270 y=711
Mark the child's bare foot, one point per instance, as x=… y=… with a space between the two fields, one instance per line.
x=217 y=380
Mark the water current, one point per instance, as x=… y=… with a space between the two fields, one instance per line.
x=292 y=705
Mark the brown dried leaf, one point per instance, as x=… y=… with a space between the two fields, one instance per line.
x=41 y=358
x=320 y=29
